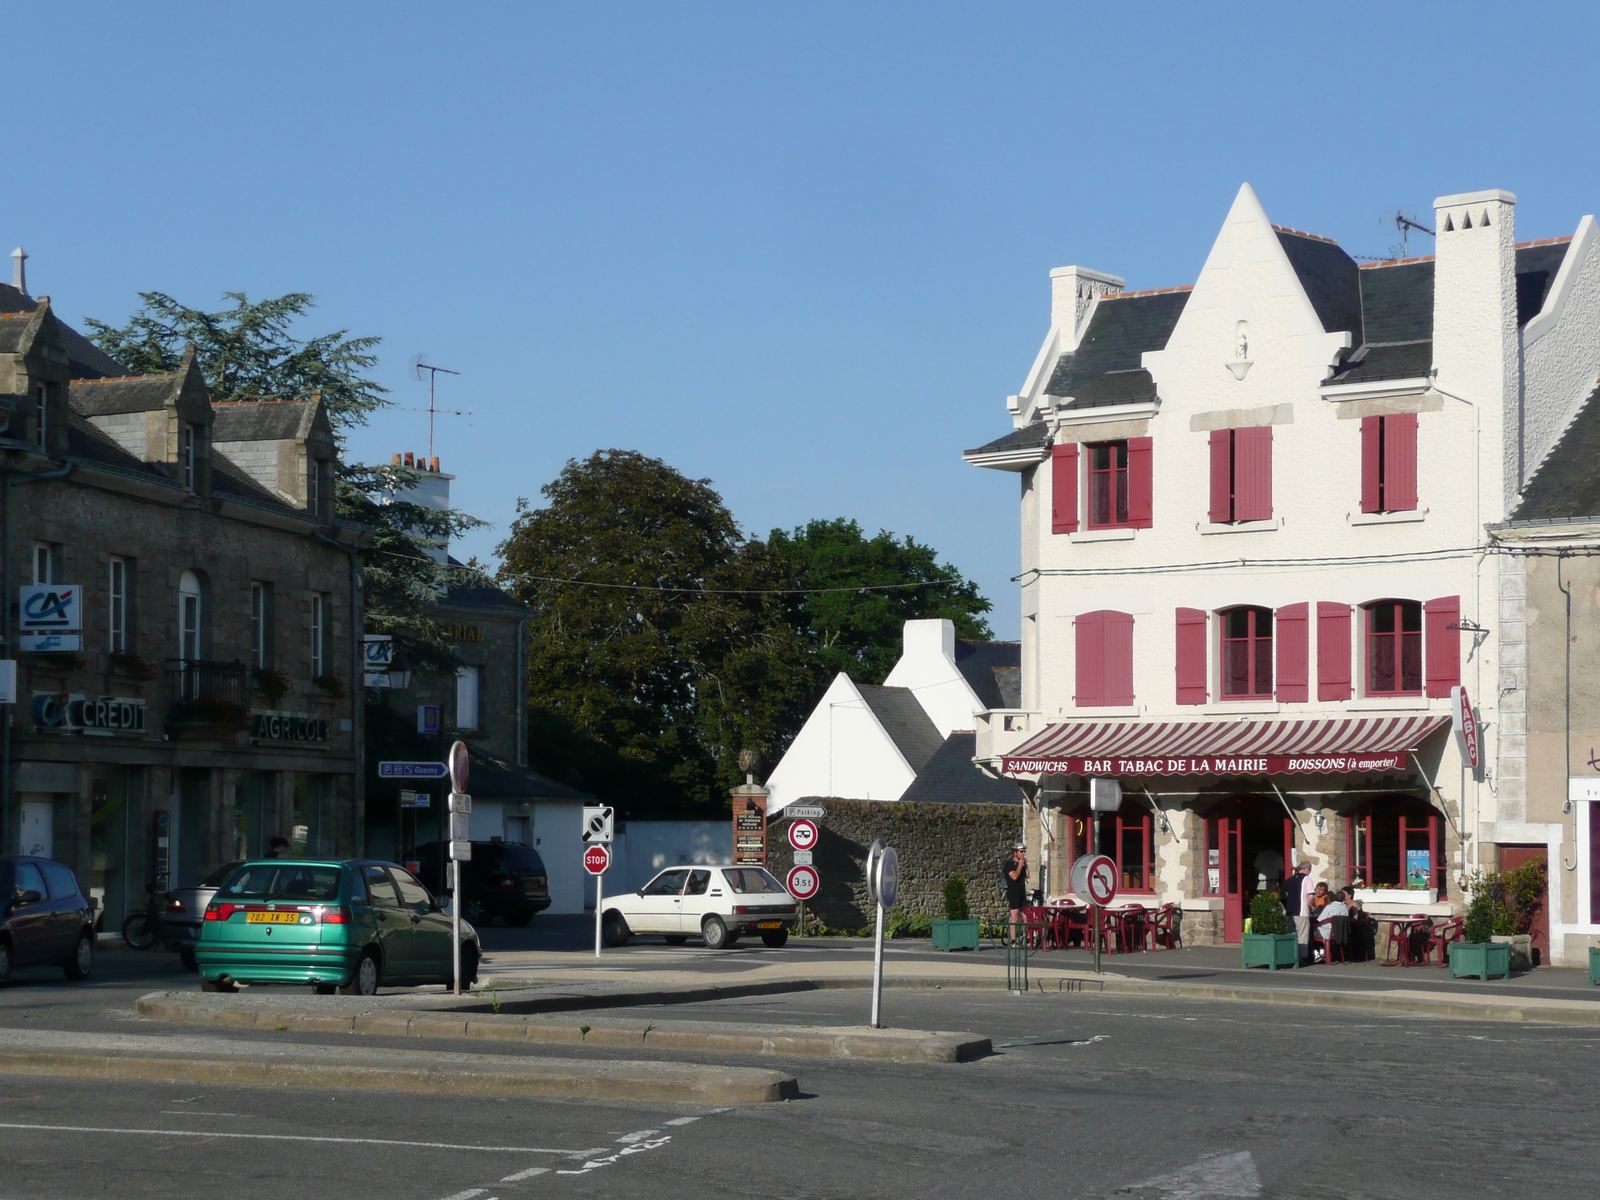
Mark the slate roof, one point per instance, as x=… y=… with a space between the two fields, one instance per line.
x=258 y=420
x=124 y=394
x=1122 y=328
x=950 y=777
x=493 y=778
x=486 y=599
x=1536 y=271
x=1330 y=277
x=229 y=480
x=980 y=664
x=88 y=360
x=1566 y=483
x=1029 y=437
x=904 y=720
x=89 y=444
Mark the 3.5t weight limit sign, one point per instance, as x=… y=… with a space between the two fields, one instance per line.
x=803 y=835
x=803 y=883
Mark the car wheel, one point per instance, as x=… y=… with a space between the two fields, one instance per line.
x=365 y=978
x=5 y=963
x=676 y=939
x=190 y=962
x=82 y=961
x=775 y=938
x=715 y=933
x=220 y=984
x=614 y=929
x=476 y=912
x=137 y=933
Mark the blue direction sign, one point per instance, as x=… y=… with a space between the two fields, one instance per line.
x=412 y=770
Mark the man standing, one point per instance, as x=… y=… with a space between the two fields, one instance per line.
x=1296 y=903
x=1014 y=875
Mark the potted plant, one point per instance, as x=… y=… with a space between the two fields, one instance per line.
x=958 y=929
x=1270 y=942
x=126 y=663
x=207 y=719
x=1476 y=954
x=271 y=683
x=329 y=685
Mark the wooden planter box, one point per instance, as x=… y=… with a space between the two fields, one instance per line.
x=1271 y=950
x=955 y=935
x=1483 y=960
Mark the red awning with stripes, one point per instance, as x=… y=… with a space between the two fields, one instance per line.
x=1326 y=745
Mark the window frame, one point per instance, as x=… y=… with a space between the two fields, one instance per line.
x=1130 y=818
x=260 y=624
x=117 y=604
x=187 y=454
x=475 y=674
x=1412 y=816
x=319 y=634
x=41 y=410
x=1369 y=647
x=1112 y=475
x=1255 y=647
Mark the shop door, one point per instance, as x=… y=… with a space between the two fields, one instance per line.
x=1512 y=857
x=1247 y=841
x=37 y=836
x=1228 y=831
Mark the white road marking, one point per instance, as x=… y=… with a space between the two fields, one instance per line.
x=528 y=1174
x=192 y=1112
x=297 y=1137
x=468 y=1194
x=685 y=1120
x=1232 y=1175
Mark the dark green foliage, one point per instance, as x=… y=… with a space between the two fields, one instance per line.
x=1523 y=891
x=1267 y=915
x=857 y=632
x=672 y=679
x=1483 y=907
x=955 y=899
x=248 y=352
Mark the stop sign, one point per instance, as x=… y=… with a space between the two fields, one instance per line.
x=596 y=859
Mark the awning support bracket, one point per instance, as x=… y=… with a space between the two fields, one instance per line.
x=1439 y=796
x=1293 y=820
x=1161 y=818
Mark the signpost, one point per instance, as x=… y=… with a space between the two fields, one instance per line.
x=883 y=884
x=804 y=812
x=802 y=835
x=413 y=770
x=802 y=882
x=1465 y=723
x=596 y=861
x=749 y=831
x=599 y=824
x=460 y=846
x=1094 y=877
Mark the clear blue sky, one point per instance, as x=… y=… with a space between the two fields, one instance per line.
x=802 y=250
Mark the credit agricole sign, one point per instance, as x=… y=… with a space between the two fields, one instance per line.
x=83 y=714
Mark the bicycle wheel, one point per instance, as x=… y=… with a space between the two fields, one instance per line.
x=136 y=931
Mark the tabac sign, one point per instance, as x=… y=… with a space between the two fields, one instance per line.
x=1259 y=764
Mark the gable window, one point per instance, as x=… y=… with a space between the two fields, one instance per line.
x=1127 y=837
x=41 y=409
x=1241 y=475
x=1104 y=659
x=314 y=487
x=117 y=606
x=188 y=439
x=319 y=635
x=260 y=629
x=1246 y=653
x=1394 y=648
x=1389 y=463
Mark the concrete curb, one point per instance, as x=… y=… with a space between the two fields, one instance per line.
x=475 y=1075
x=716 y=1037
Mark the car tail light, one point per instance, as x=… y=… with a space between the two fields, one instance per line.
x=738 y=909
x=508 y=883
x=335 y=916
x=174 y=905
x=220 y=912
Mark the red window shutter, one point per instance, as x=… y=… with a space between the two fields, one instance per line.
x=1089 y=630
x=1119 y=658
x=1441 y=646
x=1221 y=476
x=1371 y=492
x=1291 y=638
x=1252 y=473
x=1140 y=484
x=1064 y=488
x=1333 y=651
x=1400 y=462
x=1191 y=656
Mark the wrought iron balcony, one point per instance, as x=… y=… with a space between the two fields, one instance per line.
x=194 y=679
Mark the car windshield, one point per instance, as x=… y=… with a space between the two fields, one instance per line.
x=282 y=881
x=751 y=879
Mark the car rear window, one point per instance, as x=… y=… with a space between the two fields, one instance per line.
x=522 y=860
x=282 y=881
x=216 y=877
x=751 y=879
x=63 y=884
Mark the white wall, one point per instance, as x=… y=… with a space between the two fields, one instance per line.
x=556 y=830
x=928 y=667
x=651 y=846
x=840 y=751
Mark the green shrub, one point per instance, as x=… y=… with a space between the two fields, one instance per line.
x=898 y=923
x=1523 y=891
x=1485 y=912
x=955 y=899
x=1267 y=915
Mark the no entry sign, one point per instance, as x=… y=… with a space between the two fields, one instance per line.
x=803 y=835
x=596 y=859
x=803 y=883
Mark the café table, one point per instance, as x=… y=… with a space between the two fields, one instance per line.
x=1401 y=949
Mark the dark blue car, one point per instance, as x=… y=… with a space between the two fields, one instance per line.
x=44 y=918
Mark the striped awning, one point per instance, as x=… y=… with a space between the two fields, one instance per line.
x=1321 y=746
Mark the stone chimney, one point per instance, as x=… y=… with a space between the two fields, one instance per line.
x=1475 y=321
x=1072 y=293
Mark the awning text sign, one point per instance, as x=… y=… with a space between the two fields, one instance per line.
x=1273 y=764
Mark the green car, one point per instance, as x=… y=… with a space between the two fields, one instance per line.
x=339 y=926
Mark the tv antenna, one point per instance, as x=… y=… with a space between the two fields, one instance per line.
x=432 y=410
x=1405 y=225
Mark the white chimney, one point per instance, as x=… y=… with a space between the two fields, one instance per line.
x=1475 y=321
x=1072 y=291
x=19 y=269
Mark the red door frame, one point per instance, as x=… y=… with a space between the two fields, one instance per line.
x=1225 y=836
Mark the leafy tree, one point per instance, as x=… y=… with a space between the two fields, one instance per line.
x=674 y=648
x=859 y=632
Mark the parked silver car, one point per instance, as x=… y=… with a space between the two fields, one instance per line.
x=185 y=912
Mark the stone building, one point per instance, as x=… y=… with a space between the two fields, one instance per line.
x=1266 y=552
x=182 y=614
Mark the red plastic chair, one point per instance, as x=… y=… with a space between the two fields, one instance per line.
x=1074 y=920
x=1162 y=927
x=1403 y=934
x=1439 y=938
x=1038 y=922
x=1134 y=931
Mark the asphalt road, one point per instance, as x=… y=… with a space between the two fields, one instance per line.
x=1087 y=1096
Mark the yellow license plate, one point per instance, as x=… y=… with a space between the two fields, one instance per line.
x=272 y=918
x=769 y=924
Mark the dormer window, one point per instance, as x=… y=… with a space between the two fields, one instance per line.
x=314 y=469
x=188 y=454
x=41 y=408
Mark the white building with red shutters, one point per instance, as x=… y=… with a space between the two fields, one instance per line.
x=1255 y=570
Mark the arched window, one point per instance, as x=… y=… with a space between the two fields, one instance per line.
x=1394 y=648
x=1246 y=653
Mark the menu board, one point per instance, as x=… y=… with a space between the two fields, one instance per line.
x=750 y=831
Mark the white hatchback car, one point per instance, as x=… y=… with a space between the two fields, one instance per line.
x=721 y=904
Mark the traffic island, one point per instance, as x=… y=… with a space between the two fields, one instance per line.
x=718 y=1037
x=223 y=1062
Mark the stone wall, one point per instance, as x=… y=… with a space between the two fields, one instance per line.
x=933 y=841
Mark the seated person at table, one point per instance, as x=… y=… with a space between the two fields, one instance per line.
x=1319 y=899
x=1335 y=907
x=1363 y=942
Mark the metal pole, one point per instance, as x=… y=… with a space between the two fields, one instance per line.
x=599 y=892
x=877 y=971
x=1094 y=918
x=455 y=921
